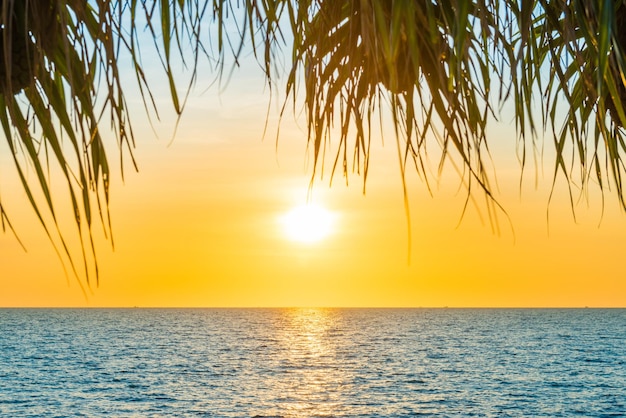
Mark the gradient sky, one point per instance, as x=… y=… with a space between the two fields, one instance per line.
x=199 y=225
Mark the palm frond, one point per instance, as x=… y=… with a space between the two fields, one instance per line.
x=431 y=65
x=62 y=96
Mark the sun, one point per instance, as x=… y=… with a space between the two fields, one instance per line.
x=308 y=223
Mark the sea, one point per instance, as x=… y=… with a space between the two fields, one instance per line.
x=312 y=362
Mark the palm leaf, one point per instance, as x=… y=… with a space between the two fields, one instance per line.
x=430 y=65
x=60 y=74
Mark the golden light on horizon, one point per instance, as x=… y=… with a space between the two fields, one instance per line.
x=308 y=223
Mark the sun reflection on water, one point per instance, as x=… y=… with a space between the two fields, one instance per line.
x=314 y=379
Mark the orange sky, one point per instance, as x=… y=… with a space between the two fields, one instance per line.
x=199 y=226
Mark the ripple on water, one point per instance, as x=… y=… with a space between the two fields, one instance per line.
x=312 y=362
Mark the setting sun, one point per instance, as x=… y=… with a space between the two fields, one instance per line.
x=308 y=223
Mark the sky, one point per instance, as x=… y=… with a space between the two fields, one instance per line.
x=202 y=224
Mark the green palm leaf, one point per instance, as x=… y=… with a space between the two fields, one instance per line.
x=431 y=65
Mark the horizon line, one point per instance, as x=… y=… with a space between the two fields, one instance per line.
x=313 y=307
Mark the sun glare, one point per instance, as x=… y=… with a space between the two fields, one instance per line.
x=308 y=223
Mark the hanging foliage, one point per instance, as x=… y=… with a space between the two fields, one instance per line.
x=441 y=69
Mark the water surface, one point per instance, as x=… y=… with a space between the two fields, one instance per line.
x=312 y=362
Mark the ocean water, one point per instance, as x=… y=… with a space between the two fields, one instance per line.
x=312 y=362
